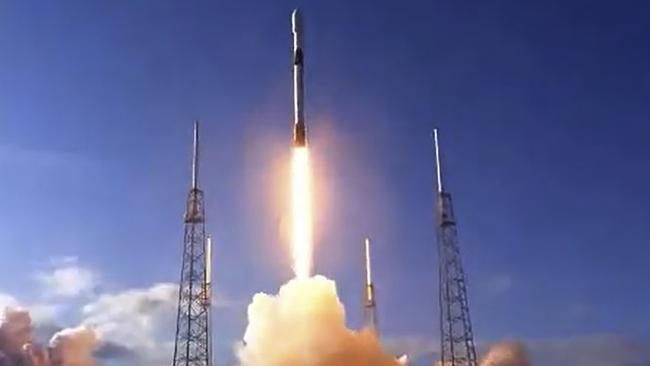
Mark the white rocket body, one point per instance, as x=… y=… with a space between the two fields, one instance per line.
x=299 y=130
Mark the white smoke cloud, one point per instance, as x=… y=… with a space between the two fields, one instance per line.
x=135 y=324
x=506 y=354
x=304 y=325
x=134 y=315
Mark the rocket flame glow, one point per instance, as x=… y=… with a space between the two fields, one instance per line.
x=301 y=238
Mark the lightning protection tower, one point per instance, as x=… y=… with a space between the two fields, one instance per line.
x=369 y=304
x=192 y=343
x=456 y=337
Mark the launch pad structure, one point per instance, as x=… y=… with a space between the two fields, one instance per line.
x=456 y=335
x=192 y=346
x=369 y=303
x=193 y=337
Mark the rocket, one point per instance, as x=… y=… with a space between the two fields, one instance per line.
x=370 y=290
x=299 y=131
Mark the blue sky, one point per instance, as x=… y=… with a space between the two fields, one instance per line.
x=543 y=111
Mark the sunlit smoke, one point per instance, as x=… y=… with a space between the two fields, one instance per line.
x=73 y=347
x=304 y=325
x=301 y=212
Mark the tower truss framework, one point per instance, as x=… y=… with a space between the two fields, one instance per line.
x=456 y=335
x=192 y=343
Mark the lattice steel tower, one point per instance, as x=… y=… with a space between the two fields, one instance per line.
x=192 y=345
x=456 y=337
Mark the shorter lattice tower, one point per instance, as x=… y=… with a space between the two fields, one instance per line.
x=369 y=304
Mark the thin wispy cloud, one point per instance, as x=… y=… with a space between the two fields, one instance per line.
x=497 y=284
x=64 y=260
x=67 y=278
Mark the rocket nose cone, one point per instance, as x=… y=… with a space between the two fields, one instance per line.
x=296 y=20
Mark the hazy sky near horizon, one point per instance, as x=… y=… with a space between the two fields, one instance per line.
x=543 y=110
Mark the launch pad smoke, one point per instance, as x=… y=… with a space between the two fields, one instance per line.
x=304 y=324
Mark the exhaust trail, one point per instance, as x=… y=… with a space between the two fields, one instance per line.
x=301 y=212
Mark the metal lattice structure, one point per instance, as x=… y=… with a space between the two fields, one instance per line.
x=192 y=344
x=456 y=336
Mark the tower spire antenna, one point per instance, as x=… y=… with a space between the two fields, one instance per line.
x=436 y=146
x=195 y=156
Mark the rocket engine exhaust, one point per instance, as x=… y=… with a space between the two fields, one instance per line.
x=301 y=238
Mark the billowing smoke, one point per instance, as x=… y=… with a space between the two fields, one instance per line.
x=15 y=331
x=304 y=325
x=506 y=354
x=73 y=347
x=68 y=347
